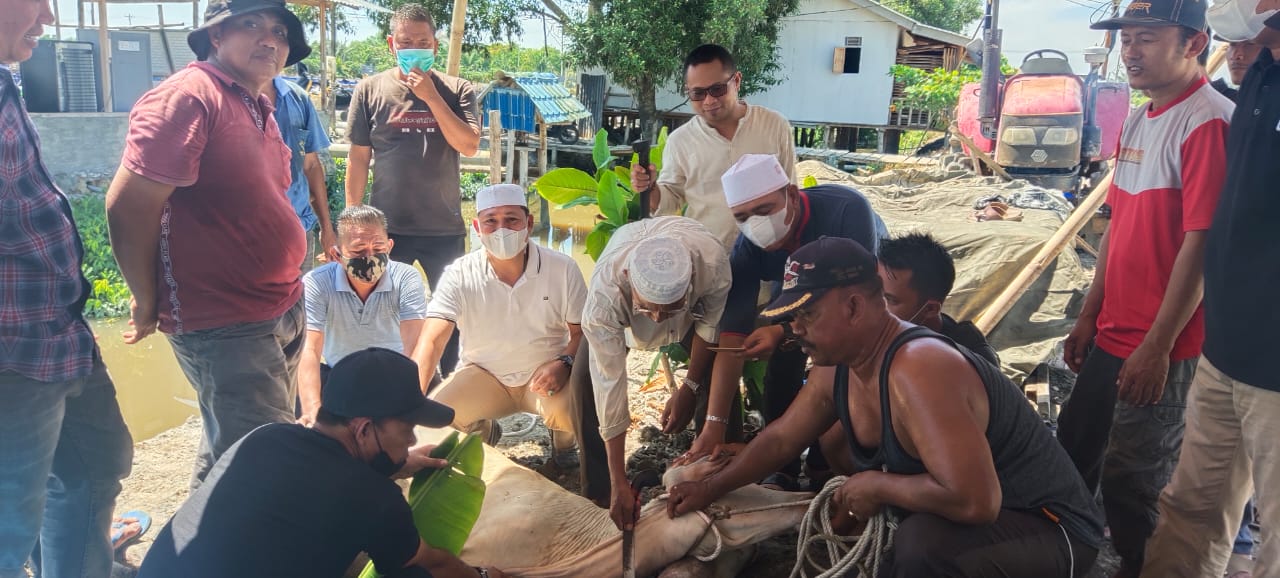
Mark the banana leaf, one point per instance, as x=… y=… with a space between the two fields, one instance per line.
x=446 y=502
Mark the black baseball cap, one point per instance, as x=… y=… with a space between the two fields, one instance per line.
x=380 y=383
x=816 y=268
x=1189 y=13
x=219 y=11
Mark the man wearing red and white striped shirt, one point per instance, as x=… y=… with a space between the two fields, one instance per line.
x=1138 y=338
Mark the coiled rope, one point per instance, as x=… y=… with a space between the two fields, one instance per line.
x=865 y=556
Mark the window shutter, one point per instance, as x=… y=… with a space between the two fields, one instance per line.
x=837 y=66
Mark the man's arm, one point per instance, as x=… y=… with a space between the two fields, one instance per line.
x=668 y=194
x=461 y=134
x=316 y=181
x=609 y=386
x=434 y=336
x=410 y=331
x=135 y=205
x=726 y=372
x=552 y=376
x=1076 y=347
x=442 y=564
x=309 y=376
x=357 y=173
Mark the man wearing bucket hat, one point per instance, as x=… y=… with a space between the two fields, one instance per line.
x=201 y=227
x=290 y=501
x=415 y=122
x=774 y=218
x=1138 y=336
x=935 y=433
x=659 y=281
x=1233 y=412
x=518 y=310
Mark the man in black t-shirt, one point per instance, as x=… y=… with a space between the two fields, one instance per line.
x=290 y=501
x=918 y=274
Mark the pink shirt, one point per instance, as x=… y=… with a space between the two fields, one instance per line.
x=230 y=243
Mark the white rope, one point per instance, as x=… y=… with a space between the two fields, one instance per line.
x=864 y=557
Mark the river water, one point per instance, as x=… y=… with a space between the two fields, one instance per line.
x=154 y=393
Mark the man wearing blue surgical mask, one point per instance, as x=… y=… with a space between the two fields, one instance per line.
x=416 y=122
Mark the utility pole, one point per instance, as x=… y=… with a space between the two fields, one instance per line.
x=1109 y=40
x=455 y=37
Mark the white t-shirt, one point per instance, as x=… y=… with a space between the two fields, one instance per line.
x=609 y=318
x=509 y=331
x=697 y=156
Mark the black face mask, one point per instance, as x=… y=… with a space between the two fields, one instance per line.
x=382 y=462
x=368 y=269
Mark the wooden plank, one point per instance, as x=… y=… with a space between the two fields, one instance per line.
x=511 y=156
x=495 y=153
x=984 y=157
x=837 y=61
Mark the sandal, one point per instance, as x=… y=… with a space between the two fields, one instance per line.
x=782 y=482
x=128 y=528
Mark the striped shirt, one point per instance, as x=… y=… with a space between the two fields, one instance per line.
x=43 y=335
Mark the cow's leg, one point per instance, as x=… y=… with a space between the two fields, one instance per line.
x=729 y=564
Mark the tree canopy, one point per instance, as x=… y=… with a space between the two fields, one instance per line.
x=487 y=20
x=951 y=15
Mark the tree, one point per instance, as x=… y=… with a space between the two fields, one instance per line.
x=938 y=91
x=310 y=17
x=951 y=15
x=487 y=20
x=642 y=43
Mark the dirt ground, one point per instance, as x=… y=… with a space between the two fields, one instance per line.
x=162 y=470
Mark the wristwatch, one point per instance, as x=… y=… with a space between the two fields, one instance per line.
x=692 y=385
x=566 y=359
x=484 y=573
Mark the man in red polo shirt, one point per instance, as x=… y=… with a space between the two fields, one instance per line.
x=203 y=231
x=1142 y=316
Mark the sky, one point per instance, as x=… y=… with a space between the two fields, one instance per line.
x=1028 y=25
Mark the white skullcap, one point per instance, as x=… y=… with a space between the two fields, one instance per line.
x=752 y=177
x=500 y=195
x=660 y=269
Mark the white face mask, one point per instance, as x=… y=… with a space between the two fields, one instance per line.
x=1238 y=20
x=765 y=230
x=504 y=243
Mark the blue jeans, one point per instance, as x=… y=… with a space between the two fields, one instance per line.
x=64 y=448
x=1244 y=538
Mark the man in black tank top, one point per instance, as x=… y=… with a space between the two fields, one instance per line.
x=939 y=436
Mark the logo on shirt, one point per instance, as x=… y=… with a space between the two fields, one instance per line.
x=1130 y=155
x=413 y=121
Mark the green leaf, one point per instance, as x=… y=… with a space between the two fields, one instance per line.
x=624 y=177
x=809 y=182
x=580 y=201
x=655 y=153
x=676 y=352
x=613 y=202
x=598 y=239
x=753 y=376
x=600 y=151
x=561 y=186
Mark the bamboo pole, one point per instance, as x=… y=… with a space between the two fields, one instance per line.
x=1064 y=236
x=455 y=36
x=512 y=165
x=104 y=56
x=495 y=147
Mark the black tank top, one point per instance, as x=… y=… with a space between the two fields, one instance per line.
x=1035 y=473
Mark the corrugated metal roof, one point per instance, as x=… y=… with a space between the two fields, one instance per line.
x=554 y=102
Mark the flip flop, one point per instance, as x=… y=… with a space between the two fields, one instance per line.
x=118 y=529
x=782 y=482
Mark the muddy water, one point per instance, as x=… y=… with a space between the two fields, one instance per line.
x=155 y=395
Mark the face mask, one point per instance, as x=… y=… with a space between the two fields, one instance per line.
x=367 y=269
x=408 y=58
x=1238 y=20
x=765 y=230
x=504 y=244
x=382 y=462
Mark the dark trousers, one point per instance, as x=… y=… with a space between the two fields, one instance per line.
x=433 y=254
x=783 y=379
x=1128 y=452
x=1016 y=544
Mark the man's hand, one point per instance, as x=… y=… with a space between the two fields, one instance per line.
x=420 y=459
x=1076 y=348
x=707 y=443
x=423 y=85
x=679 y=410
x=687 y=497
x=549 y=378
x=143 y=321
x=623 y=507
x=762 y=342
x=855 y=498
x=641 y=177
x=308 y=417
x=493 y=572
x=1142 y=377
x=328 y=246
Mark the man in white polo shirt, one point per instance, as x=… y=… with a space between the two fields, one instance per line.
x=365 y=300
x=659 y=281
x=518 y=310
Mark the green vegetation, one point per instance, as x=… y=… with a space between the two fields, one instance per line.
x=110 y=295
x=938 y=91
x=951 y=15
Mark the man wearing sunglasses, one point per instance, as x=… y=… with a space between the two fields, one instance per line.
x=660 y=281
x=698 y=152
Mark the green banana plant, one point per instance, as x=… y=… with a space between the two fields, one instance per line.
x=446 y=501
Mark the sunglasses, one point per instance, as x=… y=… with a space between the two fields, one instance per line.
x=717 y=90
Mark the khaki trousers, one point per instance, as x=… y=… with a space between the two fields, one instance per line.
x=1229 y=449
x=476 y=395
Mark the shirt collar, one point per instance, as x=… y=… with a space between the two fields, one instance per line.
x=6 y=78
x=229 y=82
x=282 y=90
x=532 y=263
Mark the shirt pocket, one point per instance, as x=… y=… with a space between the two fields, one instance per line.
x=301 y=137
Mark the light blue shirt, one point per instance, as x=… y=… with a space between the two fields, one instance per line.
x=302 y=131
x=350 y=325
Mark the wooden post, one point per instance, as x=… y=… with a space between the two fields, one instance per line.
x=495 y=147
x=79 y=13
x=57 y=21
x=511 y=156
x=1060 y=239
x=195 y=14
x=984 y=157
x=324 y=77
x=523 y=178
x=543 y=205
x=104 y=56
x=455 y=36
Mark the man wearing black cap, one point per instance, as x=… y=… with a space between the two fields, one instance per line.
x=288 y=501
x=202 y=228
x=1138 y=336
x=937 y=434
x=1233 y=414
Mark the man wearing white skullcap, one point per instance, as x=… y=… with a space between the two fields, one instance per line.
x=724 y=128
x=518 y=310
x=774 y=218
x=659 y=281
x=1233 y=409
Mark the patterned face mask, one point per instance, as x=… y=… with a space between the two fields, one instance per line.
x=368 y=269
